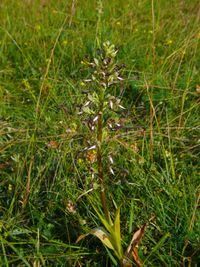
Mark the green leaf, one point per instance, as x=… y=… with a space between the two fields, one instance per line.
x=113 y=231
x=117 y=232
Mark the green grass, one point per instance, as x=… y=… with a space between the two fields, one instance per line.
x=42 y=168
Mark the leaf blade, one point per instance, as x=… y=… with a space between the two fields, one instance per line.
x=132 y=249
x=117 y=233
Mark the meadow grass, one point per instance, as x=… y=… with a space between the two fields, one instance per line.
x=45 y=179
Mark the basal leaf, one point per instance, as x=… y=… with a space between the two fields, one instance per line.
x=117 y=233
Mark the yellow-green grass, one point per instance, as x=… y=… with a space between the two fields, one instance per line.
x=42 y=168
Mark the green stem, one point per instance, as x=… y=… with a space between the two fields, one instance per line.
x=100 y=163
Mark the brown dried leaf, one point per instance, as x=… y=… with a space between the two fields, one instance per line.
x=3 y=166
x=53 y=144
x=136 y=257
x=91 y=156
x=81 y=237
x=198 y=88
x=132 y=250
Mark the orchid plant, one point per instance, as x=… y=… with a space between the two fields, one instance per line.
x=100 y=109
